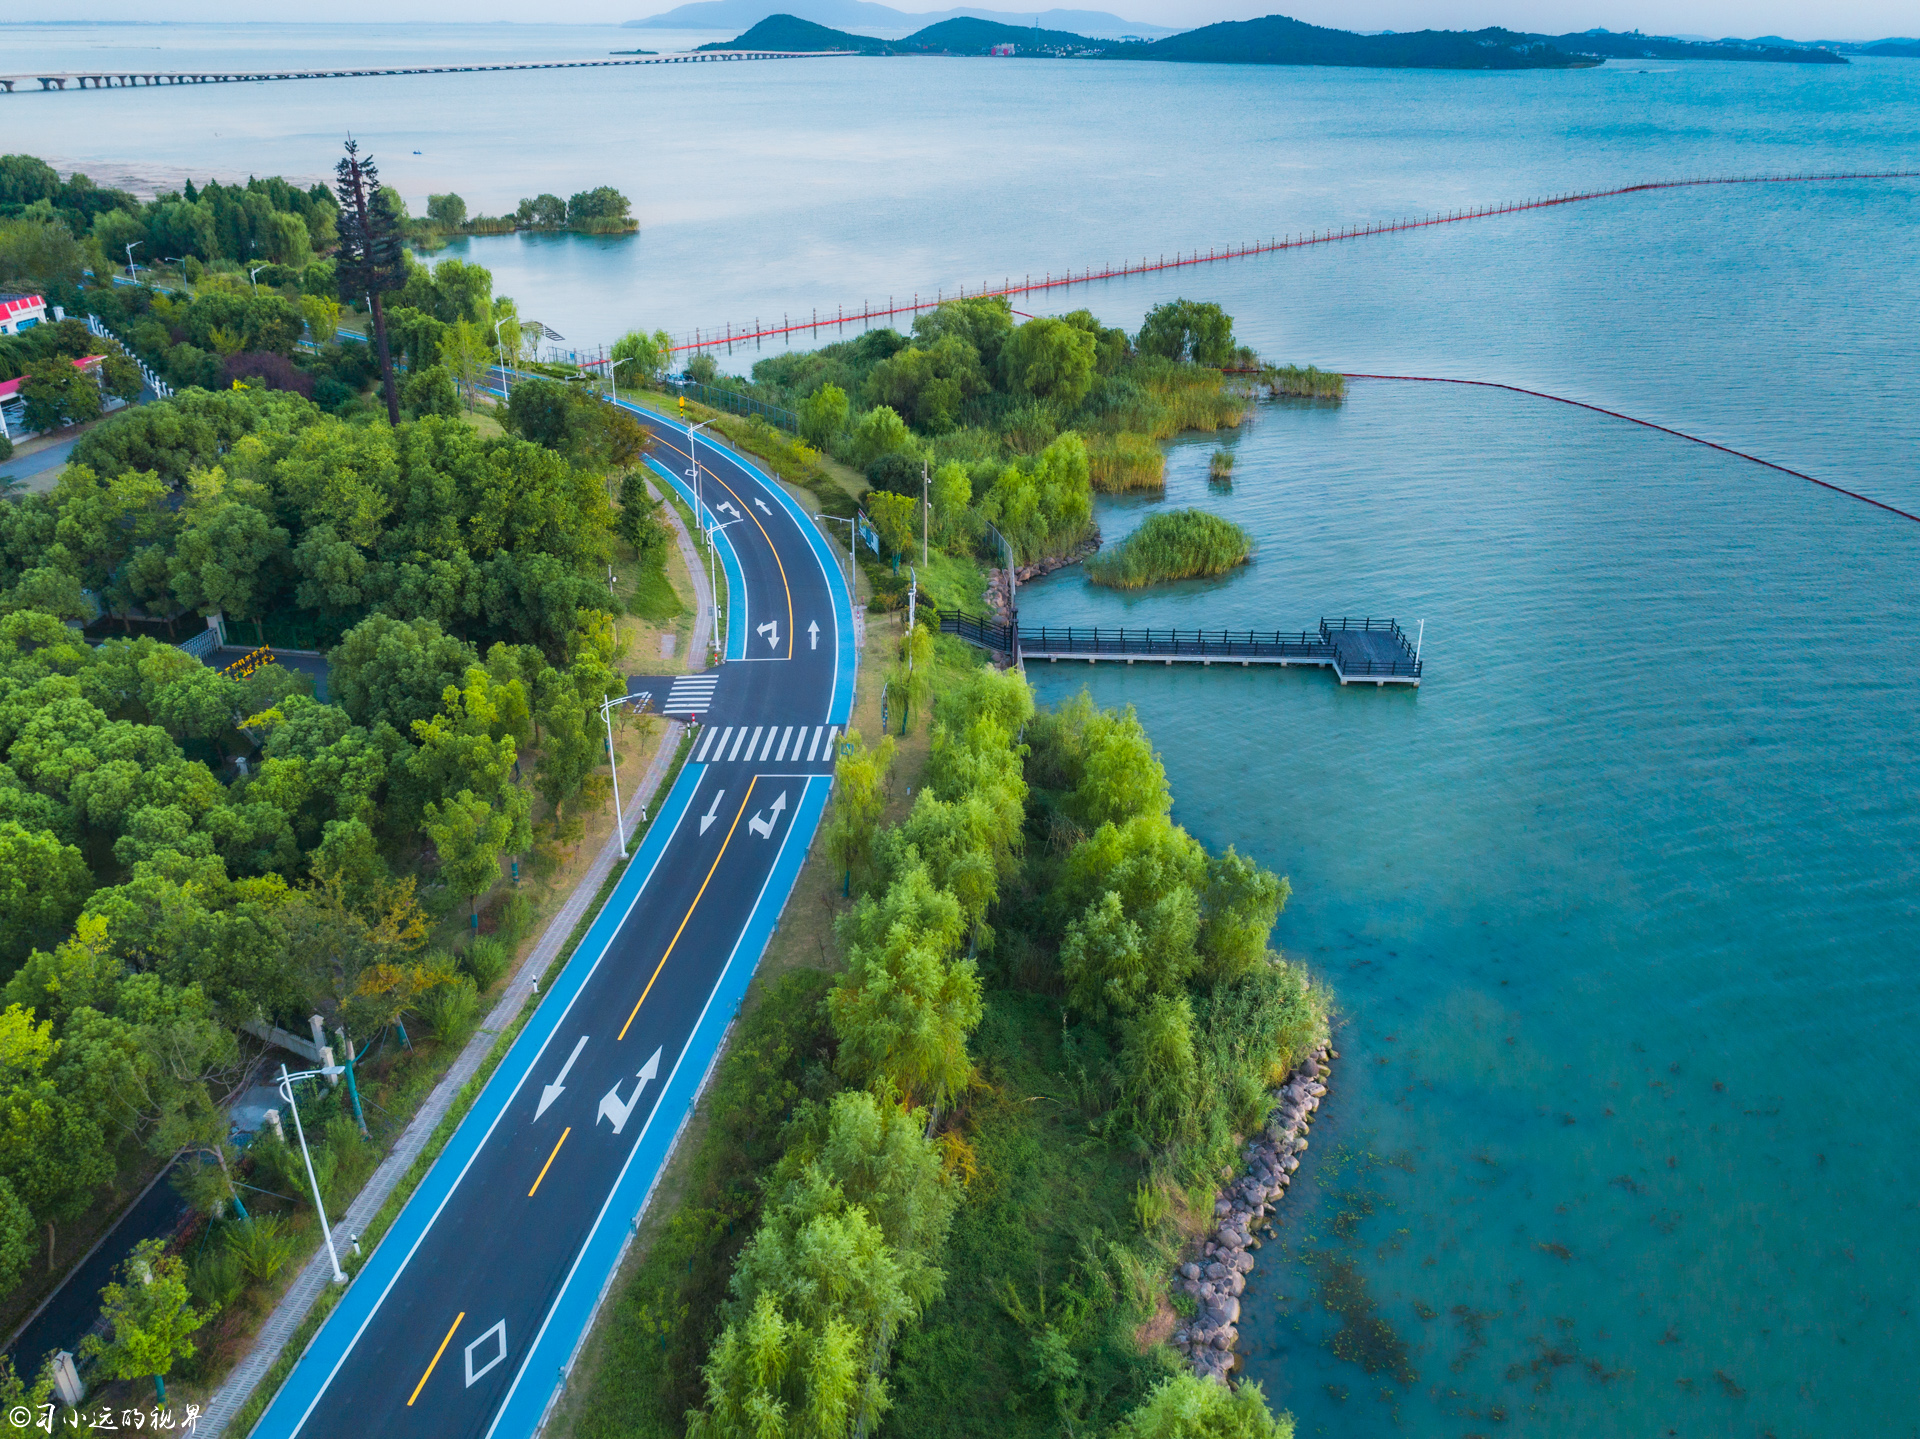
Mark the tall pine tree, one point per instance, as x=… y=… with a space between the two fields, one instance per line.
x=369 y=261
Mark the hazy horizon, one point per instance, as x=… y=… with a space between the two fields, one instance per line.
x=1859 y=21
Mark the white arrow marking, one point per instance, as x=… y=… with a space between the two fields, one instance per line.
x=610 y=1105
x=728 y=510
x=764 y=827
x=771 y=629
x=763 y=507
x=553 y=1091
x=813 y=634
x=712 y=814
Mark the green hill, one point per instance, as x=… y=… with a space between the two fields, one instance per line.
x=1277 y=40
x=968 y=36
x=789 y=32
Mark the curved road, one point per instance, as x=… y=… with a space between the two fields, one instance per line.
x=465 y=1319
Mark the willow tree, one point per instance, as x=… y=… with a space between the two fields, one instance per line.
x=370 y=259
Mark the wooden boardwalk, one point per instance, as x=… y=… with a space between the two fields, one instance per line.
x=1364 y=651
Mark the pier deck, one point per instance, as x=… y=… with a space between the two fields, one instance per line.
x=1366 y=651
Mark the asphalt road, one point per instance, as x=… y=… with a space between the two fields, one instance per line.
x=465 y=1317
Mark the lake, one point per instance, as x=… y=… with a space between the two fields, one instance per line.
x=1620 y=908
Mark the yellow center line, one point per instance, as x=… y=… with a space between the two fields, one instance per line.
x=747 y=510
x=550 y=1158
x=746 y=800
x=436 y=1359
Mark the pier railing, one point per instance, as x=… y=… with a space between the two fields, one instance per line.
x=1353 y=661
x=1040 y=641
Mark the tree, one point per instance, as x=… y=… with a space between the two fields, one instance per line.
x=448 y=212
x=952 y=493
x=396 y=671
x=224 y=545
x=43 y=884
x=430 y=391
x=893 y=517
x=640 y=358
x=1050 y=360
x=600 y=203
x=149 y=1315
x=52 y=1153
x=904 y=1007
x=1188 y=330
x=464 y=353
x=859 y=801
x=549 y=212
x=471 y=835
x=823 y=415
x=881 y=431
x=929 y=386
x=370 y=259
x=1241 y=903
x=770 y=1377
x=16 y=1238
x=1186 y=1406
x=322 y=315
x=640 y=523
x=38 y=252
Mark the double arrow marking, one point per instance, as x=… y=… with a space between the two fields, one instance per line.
x=764 y=827
x=610 y=1105
x=771 y=629
x=763 y=507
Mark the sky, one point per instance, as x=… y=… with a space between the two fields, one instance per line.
x=1796 y=19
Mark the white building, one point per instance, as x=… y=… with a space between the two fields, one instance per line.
x=21 y=312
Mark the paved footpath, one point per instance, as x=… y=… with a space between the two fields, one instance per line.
x=299 y=1298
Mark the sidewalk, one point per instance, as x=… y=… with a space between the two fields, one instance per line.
x=300 y=1296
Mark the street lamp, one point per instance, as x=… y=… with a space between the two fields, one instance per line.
x=853 y=529
x=506 y=386
x=606 y=713
x=613 y=365
x=707 y=527
x=254 y=270
x=130 y=246
x=286 y=1092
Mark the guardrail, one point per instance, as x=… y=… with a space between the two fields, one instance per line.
x=159 y=386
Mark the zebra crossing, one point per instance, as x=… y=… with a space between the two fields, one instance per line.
x=690 y=694
x=767 y=744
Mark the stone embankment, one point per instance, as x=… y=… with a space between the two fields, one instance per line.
x=997 y=598
x=1217 y=1275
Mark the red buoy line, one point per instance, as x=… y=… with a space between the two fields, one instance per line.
x=729 y=335
x=1645 y=424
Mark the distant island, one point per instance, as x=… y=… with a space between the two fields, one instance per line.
x=1277 y=40
x=867 y=15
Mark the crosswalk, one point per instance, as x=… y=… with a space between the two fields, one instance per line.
x=767 y=744
x=690 y=695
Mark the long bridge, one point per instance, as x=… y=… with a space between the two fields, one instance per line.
x=143 y=79
x=1362 y=651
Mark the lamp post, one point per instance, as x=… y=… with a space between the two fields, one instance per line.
x=707 y=527
x=613 y=763
x=853 y=530
x=506 y=387
x=130 y=248
x=286 y=1092
x=612 y=383
x=251 y=272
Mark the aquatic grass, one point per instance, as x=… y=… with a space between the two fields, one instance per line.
x=1295 y=380
x=1174 y=545
x=1220 y=468
x=1125 y=461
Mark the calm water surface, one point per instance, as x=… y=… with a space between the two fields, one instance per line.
x=1620 y=907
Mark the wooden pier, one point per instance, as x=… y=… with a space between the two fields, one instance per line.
x=1364 y=651
x=144 y=79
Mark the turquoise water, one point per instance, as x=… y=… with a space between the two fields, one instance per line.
x=1620 y=907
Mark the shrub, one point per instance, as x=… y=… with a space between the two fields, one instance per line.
x=486 y=959
x=261 y=1246
x=1174 y=545
x=1293 y=380
x=216 y=1277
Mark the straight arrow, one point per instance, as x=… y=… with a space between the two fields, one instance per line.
x=813 y=634
x=764 y=827
x=554 y=1090
x=612 y=1108
x=712 y=814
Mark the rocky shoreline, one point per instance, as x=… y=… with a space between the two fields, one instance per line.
x=997 y=578
x=1217 y=1274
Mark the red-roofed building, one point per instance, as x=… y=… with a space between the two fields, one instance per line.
x=21 y=312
